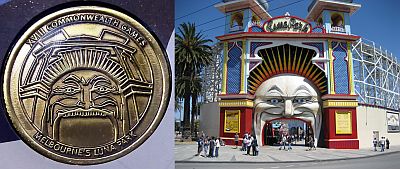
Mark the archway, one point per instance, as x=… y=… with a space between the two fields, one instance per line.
x=287 y=85
x=296 y=128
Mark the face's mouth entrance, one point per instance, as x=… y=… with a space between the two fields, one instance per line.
x=85 y=127
x=297 y=128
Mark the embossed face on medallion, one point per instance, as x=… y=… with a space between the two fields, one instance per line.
x=86 y=85
x=79 y=98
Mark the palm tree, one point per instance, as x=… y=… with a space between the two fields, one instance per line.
x=191 y=54
x=196 y=89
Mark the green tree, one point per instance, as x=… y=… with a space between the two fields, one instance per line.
x=192 y=53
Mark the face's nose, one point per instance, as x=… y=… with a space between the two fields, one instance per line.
x=288 y=112
x=84 y=101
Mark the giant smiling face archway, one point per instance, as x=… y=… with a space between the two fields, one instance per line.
x=287 y=96
x=287 y=84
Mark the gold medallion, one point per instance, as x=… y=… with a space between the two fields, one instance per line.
x=86 y=85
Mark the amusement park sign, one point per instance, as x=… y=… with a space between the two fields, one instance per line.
x=287 y=24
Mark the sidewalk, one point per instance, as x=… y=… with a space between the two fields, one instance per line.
x=185 y=153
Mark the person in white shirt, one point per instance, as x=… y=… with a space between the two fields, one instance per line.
x=245 y=137
x=217 y=145
x=249 y=141
x=284 y=142
x=382 y=144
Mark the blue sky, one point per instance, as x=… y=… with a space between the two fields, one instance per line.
x=375 y=20
x=3 y=1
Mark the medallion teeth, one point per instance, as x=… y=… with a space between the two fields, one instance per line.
x=85 y=114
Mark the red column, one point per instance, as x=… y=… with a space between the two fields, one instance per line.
x=246 y=116
x=332 y=138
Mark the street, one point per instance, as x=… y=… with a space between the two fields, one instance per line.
x=386 y=161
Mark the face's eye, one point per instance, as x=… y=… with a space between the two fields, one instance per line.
x=67 y=90
x=70 y=90
x=301 y=100
x=274 y=101
x=103 y=89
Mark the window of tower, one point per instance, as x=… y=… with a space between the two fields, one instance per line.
x=337 y=23
x=337 y=20
x=236 y=23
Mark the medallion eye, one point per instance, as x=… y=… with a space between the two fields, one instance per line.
x=103 y=89
x=67 y=90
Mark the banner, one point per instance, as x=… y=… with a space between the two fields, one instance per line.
x=343 y=122
x=392 y=121
x=232 y=121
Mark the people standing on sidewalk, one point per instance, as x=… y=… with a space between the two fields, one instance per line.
x=236 y=140
x=311 y=142
x=248 y=145
x=245 y=139
x=254 y=146
x=283 y=142
x=289 y=140
x=206 y=144
x=257 y=148
x=387 y=143
x=217 y=145
x=294 y=139
x=375 y=142
x=382 y=144
x=200 y=145
x=212 y=147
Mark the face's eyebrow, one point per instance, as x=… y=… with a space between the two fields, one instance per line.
x=72 y=78
x=98 y=79
x=275 y=88
x=302 y=87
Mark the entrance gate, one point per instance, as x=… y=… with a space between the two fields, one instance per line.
x=298 y=129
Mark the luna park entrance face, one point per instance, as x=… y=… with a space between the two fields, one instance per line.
x=297 y=129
